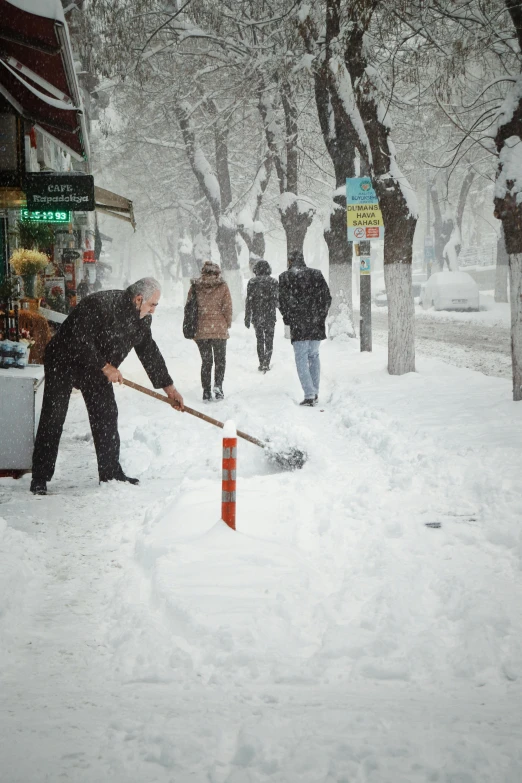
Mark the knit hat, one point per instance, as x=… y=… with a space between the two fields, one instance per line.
x=209 y=268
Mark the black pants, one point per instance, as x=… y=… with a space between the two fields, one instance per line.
x=103 y=418
x=212 y=351
x=265 y=343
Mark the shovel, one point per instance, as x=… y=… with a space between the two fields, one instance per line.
x=288 y=459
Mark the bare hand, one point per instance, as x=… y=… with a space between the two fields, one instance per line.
x=112 y=374
x=174 y=395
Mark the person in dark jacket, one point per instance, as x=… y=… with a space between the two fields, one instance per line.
x=304 y=301
x=260 y=309
x=85 y=354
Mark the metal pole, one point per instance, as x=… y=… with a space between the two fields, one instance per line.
x=363 y=251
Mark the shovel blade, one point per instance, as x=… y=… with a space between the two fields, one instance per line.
x=287 y=459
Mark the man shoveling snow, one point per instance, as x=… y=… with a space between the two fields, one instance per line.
x=85 y=354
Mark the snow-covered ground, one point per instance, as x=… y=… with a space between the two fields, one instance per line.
x=334 y=638
x=476 y=340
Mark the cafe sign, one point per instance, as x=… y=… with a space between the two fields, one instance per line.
x=72 y=192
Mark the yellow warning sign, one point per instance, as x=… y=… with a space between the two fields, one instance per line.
x=364 y=215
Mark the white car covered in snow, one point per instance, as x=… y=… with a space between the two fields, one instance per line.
x=450 y=291
x=380 y=297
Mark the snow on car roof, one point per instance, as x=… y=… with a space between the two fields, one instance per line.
x=449 y=279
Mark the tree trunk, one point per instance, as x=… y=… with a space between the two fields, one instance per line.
x=295 y=223
x=401 y=320
x=340 y=140
x=441 y=230
x=340 y=282
x=255 y=241
x=258 y=243
x=463 y=197
x=502 y=270
x=507 y=205
x=399 y=225
x=515 y=287
x=226 y=242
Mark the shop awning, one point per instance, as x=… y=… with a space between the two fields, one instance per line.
x=37 y=75
x=111 y=204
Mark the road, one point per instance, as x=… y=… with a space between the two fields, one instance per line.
x=477 y=346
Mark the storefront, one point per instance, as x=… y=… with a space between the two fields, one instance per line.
x=48 y=199
x=44 y=150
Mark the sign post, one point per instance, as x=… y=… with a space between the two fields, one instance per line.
x=365 y=326
x=364 y=218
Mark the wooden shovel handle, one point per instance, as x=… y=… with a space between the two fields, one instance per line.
x=192 y=412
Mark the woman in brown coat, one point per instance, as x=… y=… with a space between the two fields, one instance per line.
x=214 y=321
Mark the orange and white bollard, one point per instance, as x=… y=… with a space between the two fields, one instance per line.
x=228 y=494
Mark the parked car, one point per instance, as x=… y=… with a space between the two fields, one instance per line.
x=450 y=291
x=417 y=279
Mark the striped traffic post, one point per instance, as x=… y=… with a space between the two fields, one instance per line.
x=228 y=493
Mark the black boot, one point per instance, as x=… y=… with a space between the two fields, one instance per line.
x=218 y=393
x=120 y=476
x=207 y=395
x=309 y=402
x=38 y=487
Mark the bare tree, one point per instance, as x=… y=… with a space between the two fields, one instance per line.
x=508 y=200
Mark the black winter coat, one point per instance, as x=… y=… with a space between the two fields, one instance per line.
x=102 y=329
x=261 y=301
x=304 y=301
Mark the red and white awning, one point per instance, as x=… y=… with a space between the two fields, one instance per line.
x=37 y=75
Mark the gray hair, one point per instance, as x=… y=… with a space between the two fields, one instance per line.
x=145 y=287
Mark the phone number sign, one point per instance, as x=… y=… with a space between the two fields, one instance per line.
x=48 y=216
x=364 y=216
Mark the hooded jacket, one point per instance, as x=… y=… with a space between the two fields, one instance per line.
x=103 y=329
x=262 y=297
x=214 y=304
x=304 y=301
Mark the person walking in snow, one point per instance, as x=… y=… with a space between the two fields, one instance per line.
x=260 y=309
x=85 y=354
x=214 y=319
x=84 y=288
x=304 y=301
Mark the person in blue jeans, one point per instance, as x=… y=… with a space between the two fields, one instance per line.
x=304 y=301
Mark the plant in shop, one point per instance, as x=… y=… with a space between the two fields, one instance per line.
x=27 y=264
x=34 y=235
x=9 y=289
